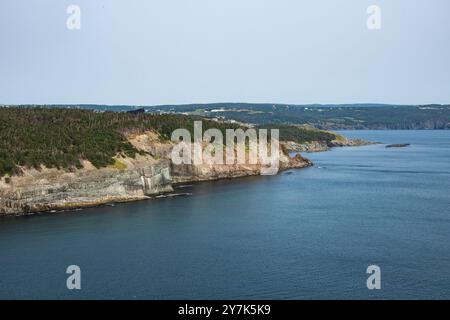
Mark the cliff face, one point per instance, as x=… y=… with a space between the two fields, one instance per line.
x=192 y=173
x=128 y=179
x=149 y=142
x=52 y=189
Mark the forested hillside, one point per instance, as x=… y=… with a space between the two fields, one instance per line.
x=328 y=117
x=60 y=137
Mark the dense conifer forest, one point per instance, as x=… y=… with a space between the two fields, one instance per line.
x=60 y=138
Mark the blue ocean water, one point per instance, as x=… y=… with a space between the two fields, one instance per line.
x=303 y=234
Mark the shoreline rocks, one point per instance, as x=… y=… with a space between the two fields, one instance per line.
x=320 y=146
x=143 y=177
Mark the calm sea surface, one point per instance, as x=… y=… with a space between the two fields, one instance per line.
x=303 y=234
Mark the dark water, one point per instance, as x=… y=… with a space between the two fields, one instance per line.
x=308 y=234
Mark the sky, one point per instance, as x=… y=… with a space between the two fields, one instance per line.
x=152 y=52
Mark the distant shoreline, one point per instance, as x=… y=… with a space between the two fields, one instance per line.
x=365 y=116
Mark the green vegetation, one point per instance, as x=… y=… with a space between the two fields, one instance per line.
x=329 y=117
x=119 y=165
x=60 y=138
x=301 y=134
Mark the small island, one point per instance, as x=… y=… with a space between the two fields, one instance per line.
x=398 y=145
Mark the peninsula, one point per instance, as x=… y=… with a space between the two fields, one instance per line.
x=59 y=159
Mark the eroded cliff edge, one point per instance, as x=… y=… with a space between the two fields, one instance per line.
x=130 y=178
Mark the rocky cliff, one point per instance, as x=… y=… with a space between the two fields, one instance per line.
x=53 y=189
x=318 y=146
x=129 y=179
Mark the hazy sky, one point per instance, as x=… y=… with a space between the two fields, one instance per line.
x=191 y=51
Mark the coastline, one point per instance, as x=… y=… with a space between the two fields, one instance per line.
x=260 y=216
x=117 y=200
x=144 y=177
x=320 y=146
x=164 y=186
x=144 y=170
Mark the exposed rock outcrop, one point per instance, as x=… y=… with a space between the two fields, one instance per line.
x=53 y=189
x=318 y=146
x=129 y=179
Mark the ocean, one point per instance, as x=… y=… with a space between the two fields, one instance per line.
x=303 y=234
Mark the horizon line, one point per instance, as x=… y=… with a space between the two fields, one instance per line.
x=216 y=103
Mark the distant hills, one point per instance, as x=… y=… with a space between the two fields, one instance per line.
x=330 y=116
